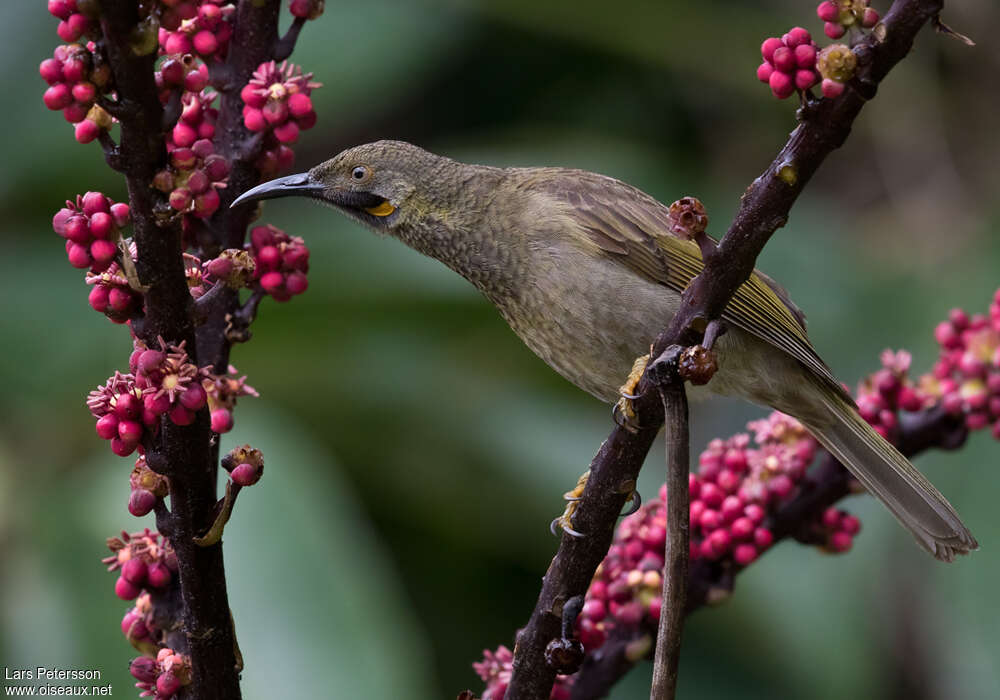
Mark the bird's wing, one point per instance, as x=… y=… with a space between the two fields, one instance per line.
x=633 y=228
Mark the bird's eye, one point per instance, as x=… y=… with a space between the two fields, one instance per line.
x=359 y=173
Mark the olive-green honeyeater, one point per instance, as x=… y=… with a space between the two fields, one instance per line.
x=585 y=270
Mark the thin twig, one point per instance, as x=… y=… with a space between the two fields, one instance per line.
x=285 y=45
x=677 y=547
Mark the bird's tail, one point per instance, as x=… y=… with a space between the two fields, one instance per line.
x=890 y=477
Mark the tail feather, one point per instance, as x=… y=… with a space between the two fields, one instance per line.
x=890 y=477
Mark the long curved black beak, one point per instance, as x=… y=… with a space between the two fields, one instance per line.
x=298 y=185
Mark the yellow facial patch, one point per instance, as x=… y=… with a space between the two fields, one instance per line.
x=383 y=209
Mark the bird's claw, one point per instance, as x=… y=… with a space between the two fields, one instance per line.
x=623 y=413
x=565 y=521
x=636 y=500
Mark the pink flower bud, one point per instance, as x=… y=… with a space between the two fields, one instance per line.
x=194 y=397
x=743 y=554
x=159 y=575
x=710 y=520
x=827 y=11
x=143 y=669
x=850 y=524
x=834 y=30
x=75 y=113
x=272 y=281
x=196 y=80
x=133 y=626
x=130 y=431
x=217 y=167
x=781 y=84
x=62 y=8
x=58 y=97
x=246 y=474
x=181 y=416
x=299 y=104
x=98 y=298
x=84 y=92
x=831 y=88
x=156 y=405
x=120 y=299
x=287 y=132
x=869 y=18
x=252 y=98
x=103 y=251
x=86 y=131
x=763 y=538
x=205 y=42
x=206 y=203
x=183 y=134
x=742 y=528
x=177 y=43
x=140 y=503
x=768 y=48
x=764 y=71
x=126 y=590
x=180 y=199
x=127 y=406
x=134 y=571
x=79 y=256
x=797 y=36
x=275 y=111
x=296 y=283
x=167 y=684
x=183 y=158
x=107 y=426
x=784 y=60
x=222 y=420
x=172 y=71
x=831 y=518
x=840 y=541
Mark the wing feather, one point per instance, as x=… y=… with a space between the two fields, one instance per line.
x=633 y=228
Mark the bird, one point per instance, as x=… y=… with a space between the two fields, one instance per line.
x=585 y=270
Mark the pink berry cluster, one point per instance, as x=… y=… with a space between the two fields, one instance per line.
x=789 y=63
x=77 y=76
x=966 y=376
x=277 y=105
x=111 y=295
x=841 y=15
x=495 y=670
x=306 y=9
x=836 y=529
x=91 y=226
x=74 y=23
x=203 y=27
x=146 y=488
x=163 y=676
x=282 y=262
x=881 y=396
x=144 y=561
x=180 y=72
x=194 y=176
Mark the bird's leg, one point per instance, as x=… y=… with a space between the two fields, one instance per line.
x=623 y=412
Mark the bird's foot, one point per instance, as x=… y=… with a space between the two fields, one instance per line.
x=565 y=521
x=624 y=414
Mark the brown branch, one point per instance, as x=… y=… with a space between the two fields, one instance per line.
x=708 y=581
x=677 y=548
x=764 y=208
x=184 y=451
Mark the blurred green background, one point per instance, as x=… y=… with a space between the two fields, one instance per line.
x=416 y=450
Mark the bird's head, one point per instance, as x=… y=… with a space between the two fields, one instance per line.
x=381 y=185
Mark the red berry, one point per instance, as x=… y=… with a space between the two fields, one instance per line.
x=84 y=92
x=834 y=30
x=272 y=281
x=177 y=42
x=181 y=416
x=763 y=538
x=742 y=528
x=827 y=11
x=850 y=524
x=183 y=134
x=120 y=299
x=133 y=626
x=103 y=251
x=253 y=118
x=194 y=397
x=130 y=431
x=62 y=8
x=869 y=18
x=180 y=198
x=299 y=104
x=206 y=203
x=764 y=71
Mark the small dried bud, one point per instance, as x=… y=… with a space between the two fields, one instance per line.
x=564 y=656
x=697 y=364
x=688 y=218
x=837 y=62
